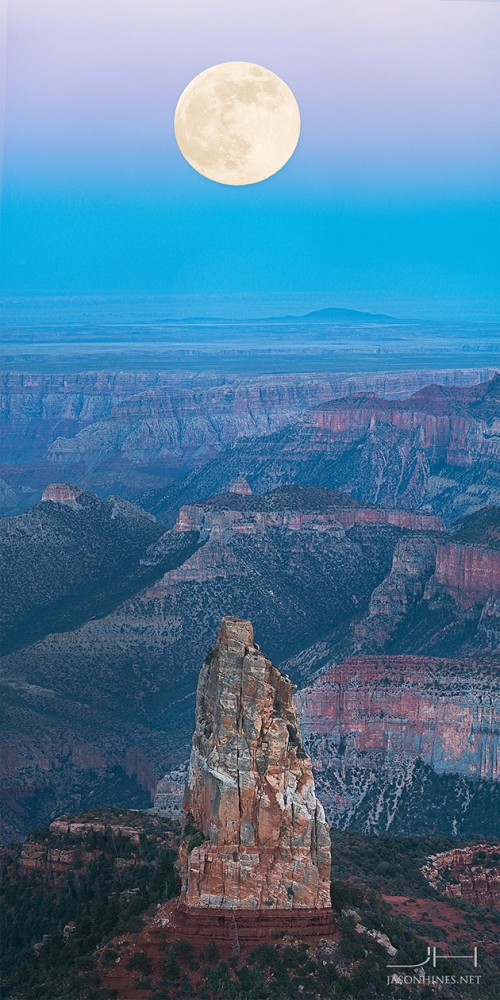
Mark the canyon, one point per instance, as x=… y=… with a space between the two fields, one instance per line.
x=117 y=692
x=359 y=531
x=128 y=432
x=437 y=451
x=103 y=706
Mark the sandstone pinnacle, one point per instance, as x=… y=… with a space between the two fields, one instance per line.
x=255 y=834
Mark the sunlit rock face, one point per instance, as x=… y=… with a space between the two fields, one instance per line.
x=250 y=789
x=61 y=492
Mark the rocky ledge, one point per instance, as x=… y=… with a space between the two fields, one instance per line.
x=255 y=834
x=469 y=873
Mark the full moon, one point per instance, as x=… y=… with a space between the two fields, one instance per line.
x=237 y=123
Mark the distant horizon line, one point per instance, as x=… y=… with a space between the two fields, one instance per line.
x=324 y=315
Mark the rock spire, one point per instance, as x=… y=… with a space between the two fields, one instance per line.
x=255 y=835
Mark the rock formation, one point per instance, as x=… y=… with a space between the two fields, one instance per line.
x=129 y=432
x=258 y=834
x=469 y=873
x=437 y=452
x=469 y=573
x=378 y=727
x=290 y=508
x=61 y=492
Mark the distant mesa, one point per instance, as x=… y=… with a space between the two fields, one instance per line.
x=61 y=492
x=295 y=508
x=330 y=315
x=333 y=315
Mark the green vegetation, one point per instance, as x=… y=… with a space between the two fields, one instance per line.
x=363 y=867
x=102 y=900
x=389 y=864
x=111 y=893
x=172 y=967
x=480 y=528
x=140 y=961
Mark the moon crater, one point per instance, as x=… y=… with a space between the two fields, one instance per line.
x=237 y=123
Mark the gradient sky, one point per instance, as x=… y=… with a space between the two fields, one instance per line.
x=390 y=201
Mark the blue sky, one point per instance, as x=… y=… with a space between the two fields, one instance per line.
x=389 y=203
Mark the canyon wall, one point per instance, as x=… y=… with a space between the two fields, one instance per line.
x=443 y=711
x=37 y=408
x=437 y=452
x=447 y=437
x=370 y=721
x=469 y=573
x=130 y=432
x=196 y=518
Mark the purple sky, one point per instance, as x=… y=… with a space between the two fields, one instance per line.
x=399 y=108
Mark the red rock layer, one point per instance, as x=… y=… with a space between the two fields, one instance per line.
x=249 y=928
x=469 y=573
x=195 y=517
x=446 y=429
x=250 y=790
x=445 y=711
x=479 y=889
x=460 y=875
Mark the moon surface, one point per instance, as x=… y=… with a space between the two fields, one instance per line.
x=237 y=123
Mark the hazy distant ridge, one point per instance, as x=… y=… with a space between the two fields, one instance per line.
x=332 y=315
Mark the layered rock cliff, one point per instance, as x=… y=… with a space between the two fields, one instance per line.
x=469 y=573
x=469 y=873
x=438 y=451
x=468 y=566
x=128 y=432
x=250 y=790
x=445 y=712
x=35 y=409
x=294 y=508
x=381 y=729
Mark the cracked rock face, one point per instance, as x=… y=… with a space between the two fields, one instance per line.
x=250 y=789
